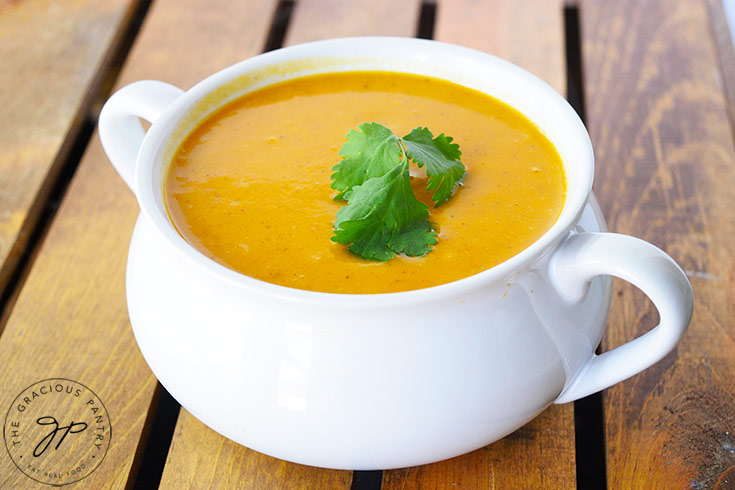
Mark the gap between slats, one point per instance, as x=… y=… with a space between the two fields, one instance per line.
x=588 y=420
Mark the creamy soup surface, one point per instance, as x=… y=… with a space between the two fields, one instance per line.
x=250 y=187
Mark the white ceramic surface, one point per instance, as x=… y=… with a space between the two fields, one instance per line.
x=387 y=380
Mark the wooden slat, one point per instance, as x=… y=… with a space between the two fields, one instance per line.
x=70 y=319
x=51 y=56
x=541 y=454
x=321 y=19
x=726 y=50
x=665 y=173
x=529 y=33
x=199 y=457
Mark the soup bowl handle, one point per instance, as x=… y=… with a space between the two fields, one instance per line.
x=121 y=132
x=586 y=255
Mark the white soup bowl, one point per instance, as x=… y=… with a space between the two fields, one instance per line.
x=384 y=380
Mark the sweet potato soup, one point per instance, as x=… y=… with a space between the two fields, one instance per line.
x=250 y=187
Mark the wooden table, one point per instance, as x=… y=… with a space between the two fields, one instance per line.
x=655 y=82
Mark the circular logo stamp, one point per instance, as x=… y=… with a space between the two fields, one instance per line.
x=57 y=431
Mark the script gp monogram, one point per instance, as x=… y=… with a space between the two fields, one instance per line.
x=73 y=428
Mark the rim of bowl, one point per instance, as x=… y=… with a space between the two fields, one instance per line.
x=163 y=127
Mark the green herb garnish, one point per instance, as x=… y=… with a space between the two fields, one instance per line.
x=383 y=218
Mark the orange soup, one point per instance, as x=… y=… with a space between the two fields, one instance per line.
x=250 y=187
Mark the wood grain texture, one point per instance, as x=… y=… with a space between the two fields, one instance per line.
x=726 y=51
x=182 y=42
x=202 y=458
x=70 y=319
x=665 y=173
x=321 y=19
x=538 y=455
x=52 y=55
x=529 y=33
x=199 y=457
x=541 y=454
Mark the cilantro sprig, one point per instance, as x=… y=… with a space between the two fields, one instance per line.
x=383 y=217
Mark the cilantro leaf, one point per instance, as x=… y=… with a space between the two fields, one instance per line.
x=441 y=158
x=383 y=218
x=371 y=152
